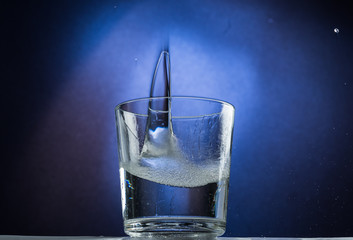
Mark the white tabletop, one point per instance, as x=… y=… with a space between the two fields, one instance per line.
x=16 y=237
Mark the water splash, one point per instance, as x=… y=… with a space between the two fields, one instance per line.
x=161 y=159
x=159 y=139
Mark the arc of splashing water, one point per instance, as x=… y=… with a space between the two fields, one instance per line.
x=159 y=134
x=159 y=109
x=165 y=56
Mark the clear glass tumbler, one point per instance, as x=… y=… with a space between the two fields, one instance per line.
x=174 y=158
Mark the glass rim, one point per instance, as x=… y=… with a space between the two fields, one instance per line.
x=118 y=107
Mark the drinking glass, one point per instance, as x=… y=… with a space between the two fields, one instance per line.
x=174 y=160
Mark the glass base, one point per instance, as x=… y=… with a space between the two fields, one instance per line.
x=207 y=228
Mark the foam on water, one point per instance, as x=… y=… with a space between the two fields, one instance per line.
x=167 y=165
x=176 y=172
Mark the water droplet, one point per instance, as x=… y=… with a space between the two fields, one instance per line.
x=336 y=30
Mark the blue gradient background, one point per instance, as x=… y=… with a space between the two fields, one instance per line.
x=289 y=75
